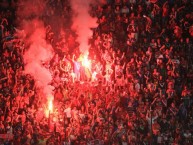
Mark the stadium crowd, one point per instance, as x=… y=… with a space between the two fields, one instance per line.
x=137 y=91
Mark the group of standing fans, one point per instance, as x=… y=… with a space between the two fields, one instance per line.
x=136 y=88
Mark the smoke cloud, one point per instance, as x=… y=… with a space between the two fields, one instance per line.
x=82 y=22
x=38 y=51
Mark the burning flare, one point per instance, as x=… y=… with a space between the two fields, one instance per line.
x=86 y=62
x=49 y=108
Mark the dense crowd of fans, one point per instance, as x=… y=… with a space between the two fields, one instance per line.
x=138 y=89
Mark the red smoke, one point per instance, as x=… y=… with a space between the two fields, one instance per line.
x=82 y=22
x=30 y=15
x=39 y=52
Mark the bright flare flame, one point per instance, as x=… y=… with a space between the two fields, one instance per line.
x=85 y=62
x=49 y=108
